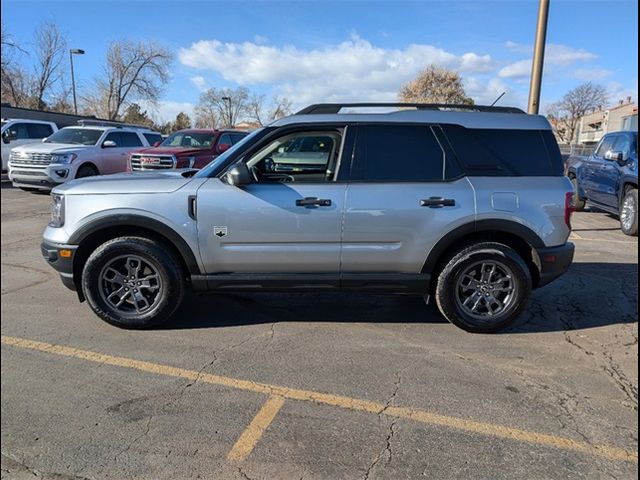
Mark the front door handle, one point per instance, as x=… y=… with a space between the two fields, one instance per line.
x=313 y=202
x=438 y=202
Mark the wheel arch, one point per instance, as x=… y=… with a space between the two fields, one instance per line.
x=95 y=233
x=515 y=235
x=88 y=163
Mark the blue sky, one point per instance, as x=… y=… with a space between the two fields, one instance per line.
x=311 y=51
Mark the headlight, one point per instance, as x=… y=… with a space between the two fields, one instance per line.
x=63 y=157
x=57 y=210
x=191 y=161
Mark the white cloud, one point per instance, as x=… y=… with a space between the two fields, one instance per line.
x=591 y=74
x=556 y=55
x=519 y=69
x=199 y=82
x=167 y=110
x=352 y=69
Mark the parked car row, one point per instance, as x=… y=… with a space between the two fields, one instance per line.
x=38 y=156
x=608 y=178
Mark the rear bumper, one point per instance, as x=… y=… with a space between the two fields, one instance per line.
x=554 y=262
x=53 y=255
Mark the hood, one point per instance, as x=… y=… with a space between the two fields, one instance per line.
x=42 y=147
x=177 y=151
x=135 y=182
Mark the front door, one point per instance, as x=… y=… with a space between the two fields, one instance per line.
x=288 y=220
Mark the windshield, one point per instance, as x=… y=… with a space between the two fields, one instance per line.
x=221 y=159
x=190 y=140
x=75 y=136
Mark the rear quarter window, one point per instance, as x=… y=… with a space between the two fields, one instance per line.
x=505 y=152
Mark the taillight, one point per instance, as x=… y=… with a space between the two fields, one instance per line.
x=569 y=208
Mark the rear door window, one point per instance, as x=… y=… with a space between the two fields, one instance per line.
x=39 y=130
x=153 y=138
x=398 y=153
x=130 y=139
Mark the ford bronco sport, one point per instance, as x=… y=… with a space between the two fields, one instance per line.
x=466 y=204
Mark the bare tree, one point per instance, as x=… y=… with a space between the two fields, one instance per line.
x=256 y=110
x=227 y=104
x=14 y=79
x=50 y=49
x=435 y=85
x=206 y=116
x=565 y=115
x=134 y=70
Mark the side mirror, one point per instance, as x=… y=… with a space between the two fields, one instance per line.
x=44 y=139
x=239 y=175
x=614 y=156
x=223 y=147
x=109 y=144
x=157 y=144
x=9 y=136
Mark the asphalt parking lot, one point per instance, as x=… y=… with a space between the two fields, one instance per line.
x=320 y=386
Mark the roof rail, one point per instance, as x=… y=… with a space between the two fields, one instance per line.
x=108 y=123
x=332 y=108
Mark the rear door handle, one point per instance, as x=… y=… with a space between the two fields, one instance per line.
x=438 y=202
x=313 y=202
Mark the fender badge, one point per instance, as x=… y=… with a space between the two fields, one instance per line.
x=220 y=231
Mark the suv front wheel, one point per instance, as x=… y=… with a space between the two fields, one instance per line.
x=484 y=287
x=133 y=282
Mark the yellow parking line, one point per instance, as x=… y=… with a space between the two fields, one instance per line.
x=256 y=428
x=576 y=236
x=425 y=417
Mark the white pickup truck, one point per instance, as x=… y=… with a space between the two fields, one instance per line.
x=75 y=152
x=17 y=132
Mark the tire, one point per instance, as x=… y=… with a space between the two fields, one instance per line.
x=578 y=202
x=454 y=287
x=629 y=212
x=159 y=282
x=86 y=171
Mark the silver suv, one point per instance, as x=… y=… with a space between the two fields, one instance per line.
x=468 y=205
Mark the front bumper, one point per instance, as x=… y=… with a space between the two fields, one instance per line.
x=553 y=262
x=44 y=177
x=60 y=257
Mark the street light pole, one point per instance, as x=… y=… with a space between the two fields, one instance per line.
x=538 y=57
x=72 y=52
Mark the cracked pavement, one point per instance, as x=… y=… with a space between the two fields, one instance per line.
x=568 y=368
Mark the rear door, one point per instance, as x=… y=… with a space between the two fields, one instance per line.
x=288 y=220
x=114 y=159
x=405 y=192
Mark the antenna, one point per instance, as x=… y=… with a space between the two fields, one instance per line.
x=498 y=99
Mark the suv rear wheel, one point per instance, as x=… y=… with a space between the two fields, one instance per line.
x=629 y=212
x=133 y=282
x=484 y=287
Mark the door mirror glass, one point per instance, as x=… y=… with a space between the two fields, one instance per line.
x=9 y=136
x=109 y=144
x=239 y=175
x=614 y=155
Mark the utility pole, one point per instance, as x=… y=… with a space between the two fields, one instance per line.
x=72 y=52
x=538 y=57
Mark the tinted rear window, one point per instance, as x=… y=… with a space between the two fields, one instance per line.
x=497 y=152
x=401 y=153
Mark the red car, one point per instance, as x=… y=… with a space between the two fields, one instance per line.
x=192 y=148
